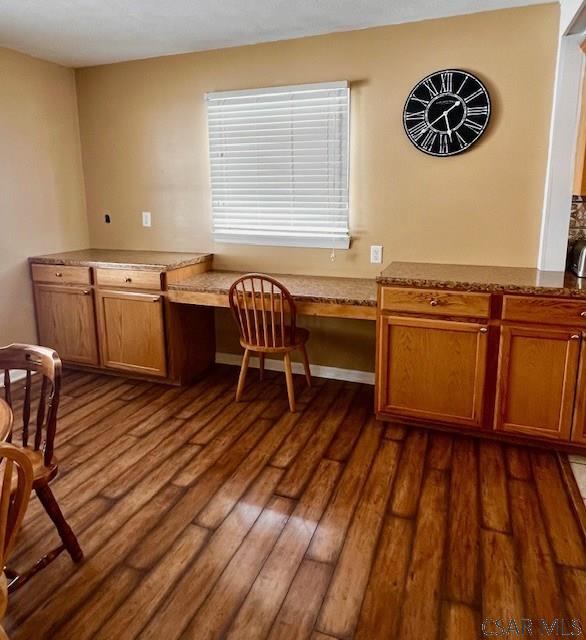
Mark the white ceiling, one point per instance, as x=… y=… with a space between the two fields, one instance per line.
x=89 y=32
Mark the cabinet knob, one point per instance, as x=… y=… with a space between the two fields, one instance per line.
x=433 y=302
x=583 y=314
x=575 y=336
x=58 y=274
x=127 y=279
x=483 y=329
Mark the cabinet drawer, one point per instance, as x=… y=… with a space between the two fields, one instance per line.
x=429 y=301
x=129 y=279
x=58 y=274
x=544 y=310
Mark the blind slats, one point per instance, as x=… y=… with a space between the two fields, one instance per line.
x=279 y=165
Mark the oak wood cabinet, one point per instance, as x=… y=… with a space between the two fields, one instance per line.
x=510 y=366
x=119 y=319
x=432 y=369
x=66 y=321
x=536 y=380
x=132 y=331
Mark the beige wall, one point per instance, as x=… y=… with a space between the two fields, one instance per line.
x=41 y=181
x=144 y=138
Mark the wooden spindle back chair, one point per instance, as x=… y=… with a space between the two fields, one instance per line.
x=34 y=359
x=39 y=445
x=265 y=314
x=16 y=473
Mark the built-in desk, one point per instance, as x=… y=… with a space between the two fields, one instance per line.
x=313 y=295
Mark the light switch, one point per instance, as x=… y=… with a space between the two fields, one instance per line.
x=376 y=254
x=146 y=218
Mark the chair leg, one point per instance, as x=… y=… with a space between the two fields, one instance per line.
x=306 y=365
x=261 y=365
x=242 y=378
x=54 y=512
x=289 y=378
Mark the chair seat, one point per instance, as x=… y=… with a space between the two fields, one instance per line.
x=301 y=336
x=41 y=473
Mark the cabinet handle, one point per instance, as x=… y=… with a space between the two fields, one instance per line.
x=433 y=302
x=483 y=329
x=575 y=336
x=127 y=279
x=58 y=274
x=86 y=292
x=583 y=314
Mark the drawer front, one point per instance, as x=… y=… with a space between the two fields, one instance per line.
x=544 y=310
x=58 y=274
x=434 y=302
x=129 y=279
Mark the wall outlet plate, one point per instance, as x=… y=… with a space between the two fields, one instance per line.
x=146 y=218
x=376 y=254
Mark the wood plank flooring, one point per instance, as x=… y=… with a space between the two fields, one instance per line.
x=202 y=518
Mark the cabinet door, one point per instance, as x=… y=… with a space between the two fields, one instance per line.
x=431 y=369
x=536 y=381
x=132 y=333
x=579 y=422
x=66 y=322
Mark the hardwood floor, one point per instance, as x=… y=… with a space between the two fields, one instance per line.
x=203 y=518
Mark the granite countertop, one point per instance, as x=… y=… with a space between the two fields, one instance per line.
x=325 y=289
x=123 y=259
x=478 y=278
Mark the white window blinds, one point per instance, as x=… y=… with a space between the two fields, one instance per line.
x=279 y=165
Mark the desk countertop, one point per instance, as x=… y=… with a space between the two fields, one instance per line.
x=123 y=259
x=483 y=278
x=321 y=289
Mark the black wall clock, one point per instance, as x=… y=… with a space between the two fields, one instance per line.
x=447 y=112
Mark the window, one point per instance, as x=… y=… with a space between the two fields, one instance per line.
x=279 y=165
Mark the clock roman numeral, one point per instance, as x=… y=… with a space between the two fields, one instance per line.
x=419 y=130
x=477 y=128
x=477 y=111
x=471 y=97
x=444 y=146
x=462 y=85
x=447 y=81
x=461 y=142
x=429 y=140
x=421 y=100
x=416 y=115
x=431 y=87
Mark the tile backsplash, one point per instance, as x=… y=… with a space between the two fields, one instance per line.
x=577 y=229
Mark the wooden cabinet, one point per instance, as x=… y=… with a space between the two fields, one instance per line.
x=513 y=366
x=132 y=331
x=431 y=369
x=536 y=380
x=66 y=321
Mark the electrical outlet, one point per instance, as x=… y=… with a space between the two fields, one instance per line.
x=146 y=218
x=376 y=254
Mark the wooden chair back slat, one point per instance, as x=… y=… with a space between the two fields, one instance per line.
x=264 y=311
x=44 y=362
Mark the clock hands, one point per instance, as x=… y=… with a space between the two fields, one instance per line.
x=448 y=124
x=445 y=113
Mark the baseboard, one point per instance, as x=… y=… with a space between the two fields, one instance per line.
x=317 y=370
x=15 y=375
